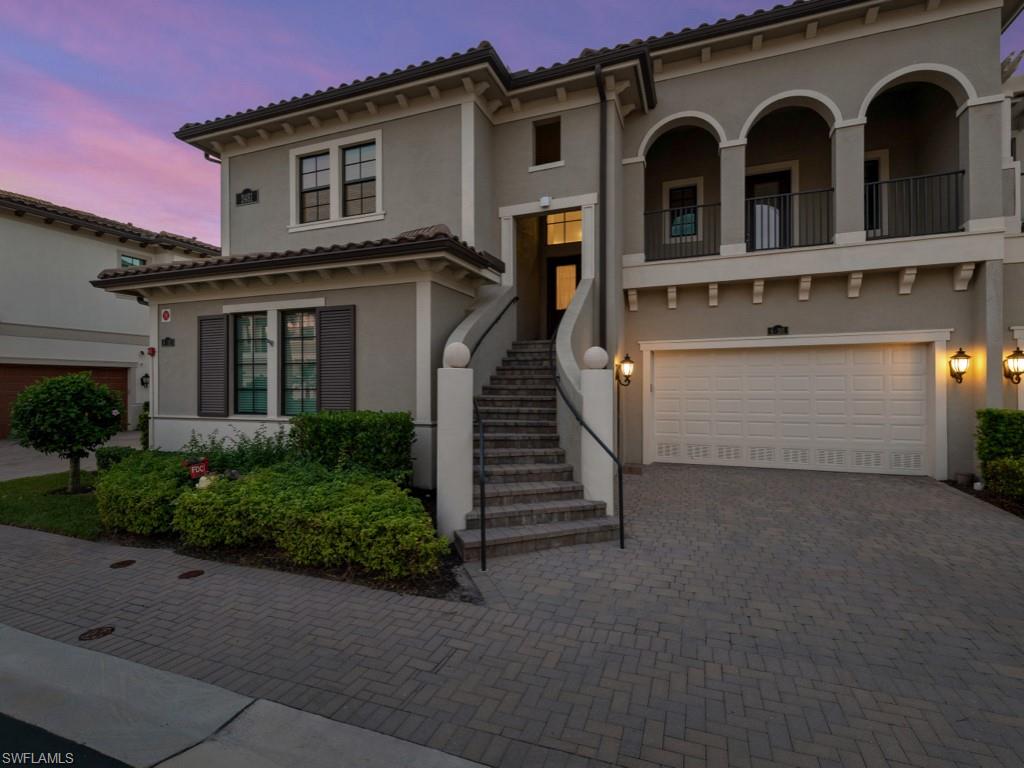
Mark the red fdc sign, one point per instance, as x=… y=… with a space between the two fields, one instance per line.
x=198 y=469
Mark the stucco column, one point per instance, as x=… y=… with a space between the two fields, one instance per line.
x=733 y=159
x=454 y=448
x=981 y=157
x=995 y=334
x=597 y=472
x=848 y=181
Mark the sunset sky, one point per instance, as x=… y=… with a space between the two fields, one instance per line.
x=91 y=92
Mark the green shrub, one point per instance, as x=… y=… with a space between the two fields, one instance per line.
x=377 y=442
x=1005 y=477
x=68 y=415
x=231 y=513
x=137 y=494
x=1000 y=434
x=240 y=451
x=360 y=521
x=143 y=426
x=109 y=455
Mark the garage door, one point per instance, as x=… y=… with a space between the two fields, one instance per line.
x=862 y=408
x=14 y=378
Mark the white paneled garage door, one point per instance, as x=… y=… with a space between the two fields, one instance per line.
x=859 y=408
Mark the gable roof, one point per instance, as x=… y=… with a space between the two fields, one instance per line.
x=21 y=205
x=423 y=240
x=484 y=53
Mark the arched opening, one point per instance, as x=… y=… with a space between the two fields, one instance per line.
x=789 y=195
x=682 y=194
x=913 y=182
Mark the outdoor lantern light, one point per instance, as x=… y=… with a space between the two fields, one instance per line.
x=624 y=371
x=1013 y=366
x=144 y=380
x=958 y=365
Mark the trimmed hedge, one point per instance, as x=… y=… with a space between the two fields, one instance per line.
x=110 y=455
x=1000 y=434
x=377 y=442
x=317 y=518
x=1005 y=477
x=240 y=451
x=137 y=494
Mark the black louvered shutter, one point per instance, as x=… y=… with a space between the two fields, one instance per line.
x=213 y=365
x=336 y=358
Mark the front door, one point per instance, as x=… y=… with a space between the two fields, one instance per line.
x=563 y=275
x=769 y=211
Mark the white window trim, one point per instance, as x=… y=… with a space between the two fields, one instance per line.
x=545 y=166
x=937 y=339
x=667 y=187
x=334 y=148
x=266 y=306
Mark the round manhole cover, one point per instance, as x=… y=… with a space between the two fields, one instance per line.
x=96 y=633
x=190 y=574
x=122 y=564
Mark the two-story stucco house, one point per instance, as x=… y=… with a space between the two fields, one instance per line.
x=52 y=321
x=790 y=221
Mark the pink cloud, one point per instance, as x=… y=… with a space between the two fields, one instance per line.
x=72 y=149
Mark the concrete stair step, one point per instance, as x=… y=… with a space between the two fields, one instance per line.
x=530 y=412
x=520 y=539
x=537 y=512
x=498 y=494
x=533 y=364
x=505 y=456
x=522 y=400
x=499 y=440
x=520 y=426
x=546 y=389
x=532 y=344
x=525 y=473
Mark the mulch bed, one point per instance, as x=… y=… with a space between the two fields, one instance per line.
x=1013 y=507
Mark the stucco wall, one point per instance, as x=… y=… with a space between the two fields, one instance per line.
x=385 y=347
x=421 y=161
x=933 y=304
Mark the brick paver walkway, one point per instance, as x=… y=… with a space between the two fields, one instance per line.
x=756 y=618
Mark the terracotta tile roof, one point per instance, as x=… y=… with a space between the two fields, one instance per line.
x=23 y=204
x=484 y=52
x=436 y=237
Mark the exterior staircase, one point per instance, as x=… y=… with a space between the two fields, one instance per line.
x=532 y=500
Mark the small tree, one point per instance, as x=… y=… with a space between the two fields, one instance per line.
x=67 y=415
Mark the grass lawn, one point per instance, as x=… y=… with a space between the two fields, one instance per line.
x=30 y=503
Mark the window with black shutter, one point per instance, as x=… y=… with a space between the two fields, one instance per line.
x=336 y=358
x=213 y=365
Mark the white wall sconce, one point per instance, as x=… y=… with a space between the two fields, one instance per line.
x=958 y=365
x=1013 y=366
x=624 y=371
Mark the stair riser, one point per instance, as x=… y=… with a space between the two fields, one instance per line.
x=518 y=429
x=472 y=552
x=497 y=519
x=527 y=441
x=523 y=412
x=526 y=363
x=524 y=477
x=512 y=401
x=509 y=461
x=496 y=495
x=512 y=383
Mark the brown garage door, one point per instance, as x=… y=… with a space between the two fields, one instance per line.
x=14 y=378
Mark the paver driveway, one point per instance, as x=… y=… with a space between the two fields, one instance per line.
x=756 y=618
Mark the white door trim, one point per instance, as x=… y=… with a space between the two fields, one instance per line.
x=587 y=203
x=937 y=338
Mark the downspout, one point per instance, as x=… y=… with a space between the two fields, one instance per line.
x=602 y=234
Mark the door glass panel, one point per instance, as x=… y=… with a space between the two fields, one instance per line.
x=565 y=285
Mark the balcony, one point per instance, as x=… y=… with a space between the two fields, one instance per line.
x=931 y=204
x=793 y=220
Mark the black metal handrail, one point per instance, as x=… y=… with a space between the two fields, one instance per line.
x=683 y=232
x=482 y=480
x=929 y=204
x=579 y=418
x=494 y=322
x=795 y=219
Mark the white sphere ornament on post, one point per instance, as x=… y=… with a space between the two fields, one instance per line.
x=595 y=359
x=456 y=355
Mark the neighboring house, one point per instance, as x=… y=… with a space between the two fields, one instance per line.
x=52 y=321
x=790 y=220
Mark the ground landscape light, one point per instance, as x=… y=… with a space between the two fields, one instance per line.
x=958 y=365
x=1013 y=366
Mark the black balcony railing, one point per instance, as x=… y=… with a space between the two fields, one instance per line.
x=916 y=205
x=681 y=233
x=793 y=220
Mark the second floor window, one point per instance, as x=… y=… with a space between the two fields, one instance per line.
x=359 y=179
x=683 y=203
x=251 y=363
x=547 y=141
x=315 y=188
x=131 y=261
